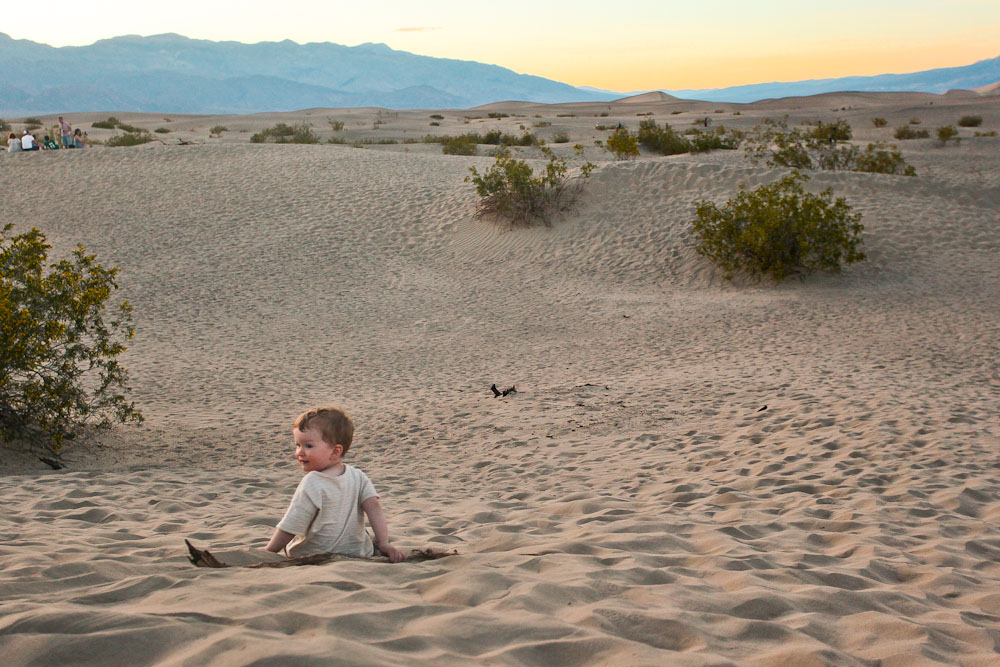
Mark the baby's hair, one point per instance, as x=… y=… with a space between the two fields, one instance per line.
x=333 y=423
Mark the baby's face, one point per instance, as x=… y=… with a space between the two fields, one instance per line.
x=313 y=452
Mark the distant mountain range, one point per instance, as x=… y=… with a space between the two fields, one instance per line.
x=939 y=81
x=175 y=74
x=171 y=73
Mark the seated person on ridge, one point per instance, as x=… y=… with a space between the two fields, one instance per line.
x=49 y=145
x=325 y=514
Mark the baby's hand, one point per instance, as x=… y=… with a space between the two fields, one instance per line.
x=394 y=554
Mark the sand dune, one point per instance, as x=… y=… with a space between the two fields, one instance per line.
x=633 y=503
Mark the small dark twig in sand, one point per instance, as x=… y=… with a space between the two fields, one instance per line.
x=55 y=464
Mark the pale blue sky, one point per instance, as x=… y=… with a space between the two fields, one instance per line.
x=622 y=45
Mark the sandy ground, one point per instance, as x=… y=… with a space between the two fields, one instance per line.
x=633 y=503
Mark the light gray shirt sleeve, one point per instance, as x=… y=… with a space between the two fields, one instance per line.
x=302 y=510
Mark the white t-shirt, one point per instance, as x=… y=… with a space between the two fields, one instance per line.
x=27 y=141
x=325 y=514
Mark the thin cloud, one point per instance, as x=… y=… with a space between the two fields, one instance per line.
x=419 y=29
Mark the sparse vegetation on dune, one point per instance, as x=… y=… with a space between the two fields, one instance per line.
x=59 y=370
x=905 y=132
x=511 y=190
x=777 y=231
x=301 y=133
x=776 y=145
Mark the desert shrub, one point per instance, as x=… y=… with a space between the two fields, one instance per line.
x=541 y=123
x=677 y=113
x=32 y=121
x=281 y=133
x=510 y=189
x=58 y=354
x=437 y=116
x=602 y=126
x=778 y=230
x=946 y=133
x=4 y=125
x=914 y=121
x=715 y=139
x=991 y=133
x=497 y=114
x=970 y=121
x=776 y=145
x=162 y=130
x=109 y=124
x=560 y=138
x=881 y=158
x=904 y=132
x=623 y=144
x=565 y=115
x=434 y=123
x=603 y=114
x=879 y=122
x=131 y=128
x=461 y=145
x=838 y=130
x=335 y=125
x=217 y=130
x=341 y=140
x=129 y=139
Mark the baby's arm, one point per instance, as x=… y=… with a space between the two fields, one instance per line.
x=279 y=539
x=376 y=518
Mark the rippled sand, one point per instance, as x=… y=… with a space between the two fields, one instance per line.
x=633 y=503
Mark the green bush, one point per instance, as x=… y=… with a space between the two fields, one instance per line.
x=437 y=116
x=880 y=158
x=335 y=125
x=31 y=120
x=281 y=133
x=665 y=139
x=109 y=124
x=904 y=132
x=497 y=114
x=541 y=123
x=58 y=355
x=463 y=144
x=434 y=123
x=129 y=139
x=623 y=144
x=510 y=189
x=217 y=130
x=946 y=133
x=776 y=145
x=970 y=121
x=162 y=130
x=839 y=130
x=879 y=122
x=131 y=128
x=560 y=138
x=991 y=133
x=4 y=125
x=779 y=230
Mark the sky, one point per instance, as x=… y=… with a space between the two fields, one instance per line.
x=619 y=45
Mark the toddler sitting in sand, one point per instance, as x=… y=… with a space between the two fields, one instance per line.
x=325 y=512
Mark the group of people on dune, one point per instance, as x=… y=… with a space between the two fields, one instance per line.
x=70 y=138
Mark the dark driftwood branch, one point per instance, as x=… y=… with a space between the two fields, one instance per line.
x=204 y=558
